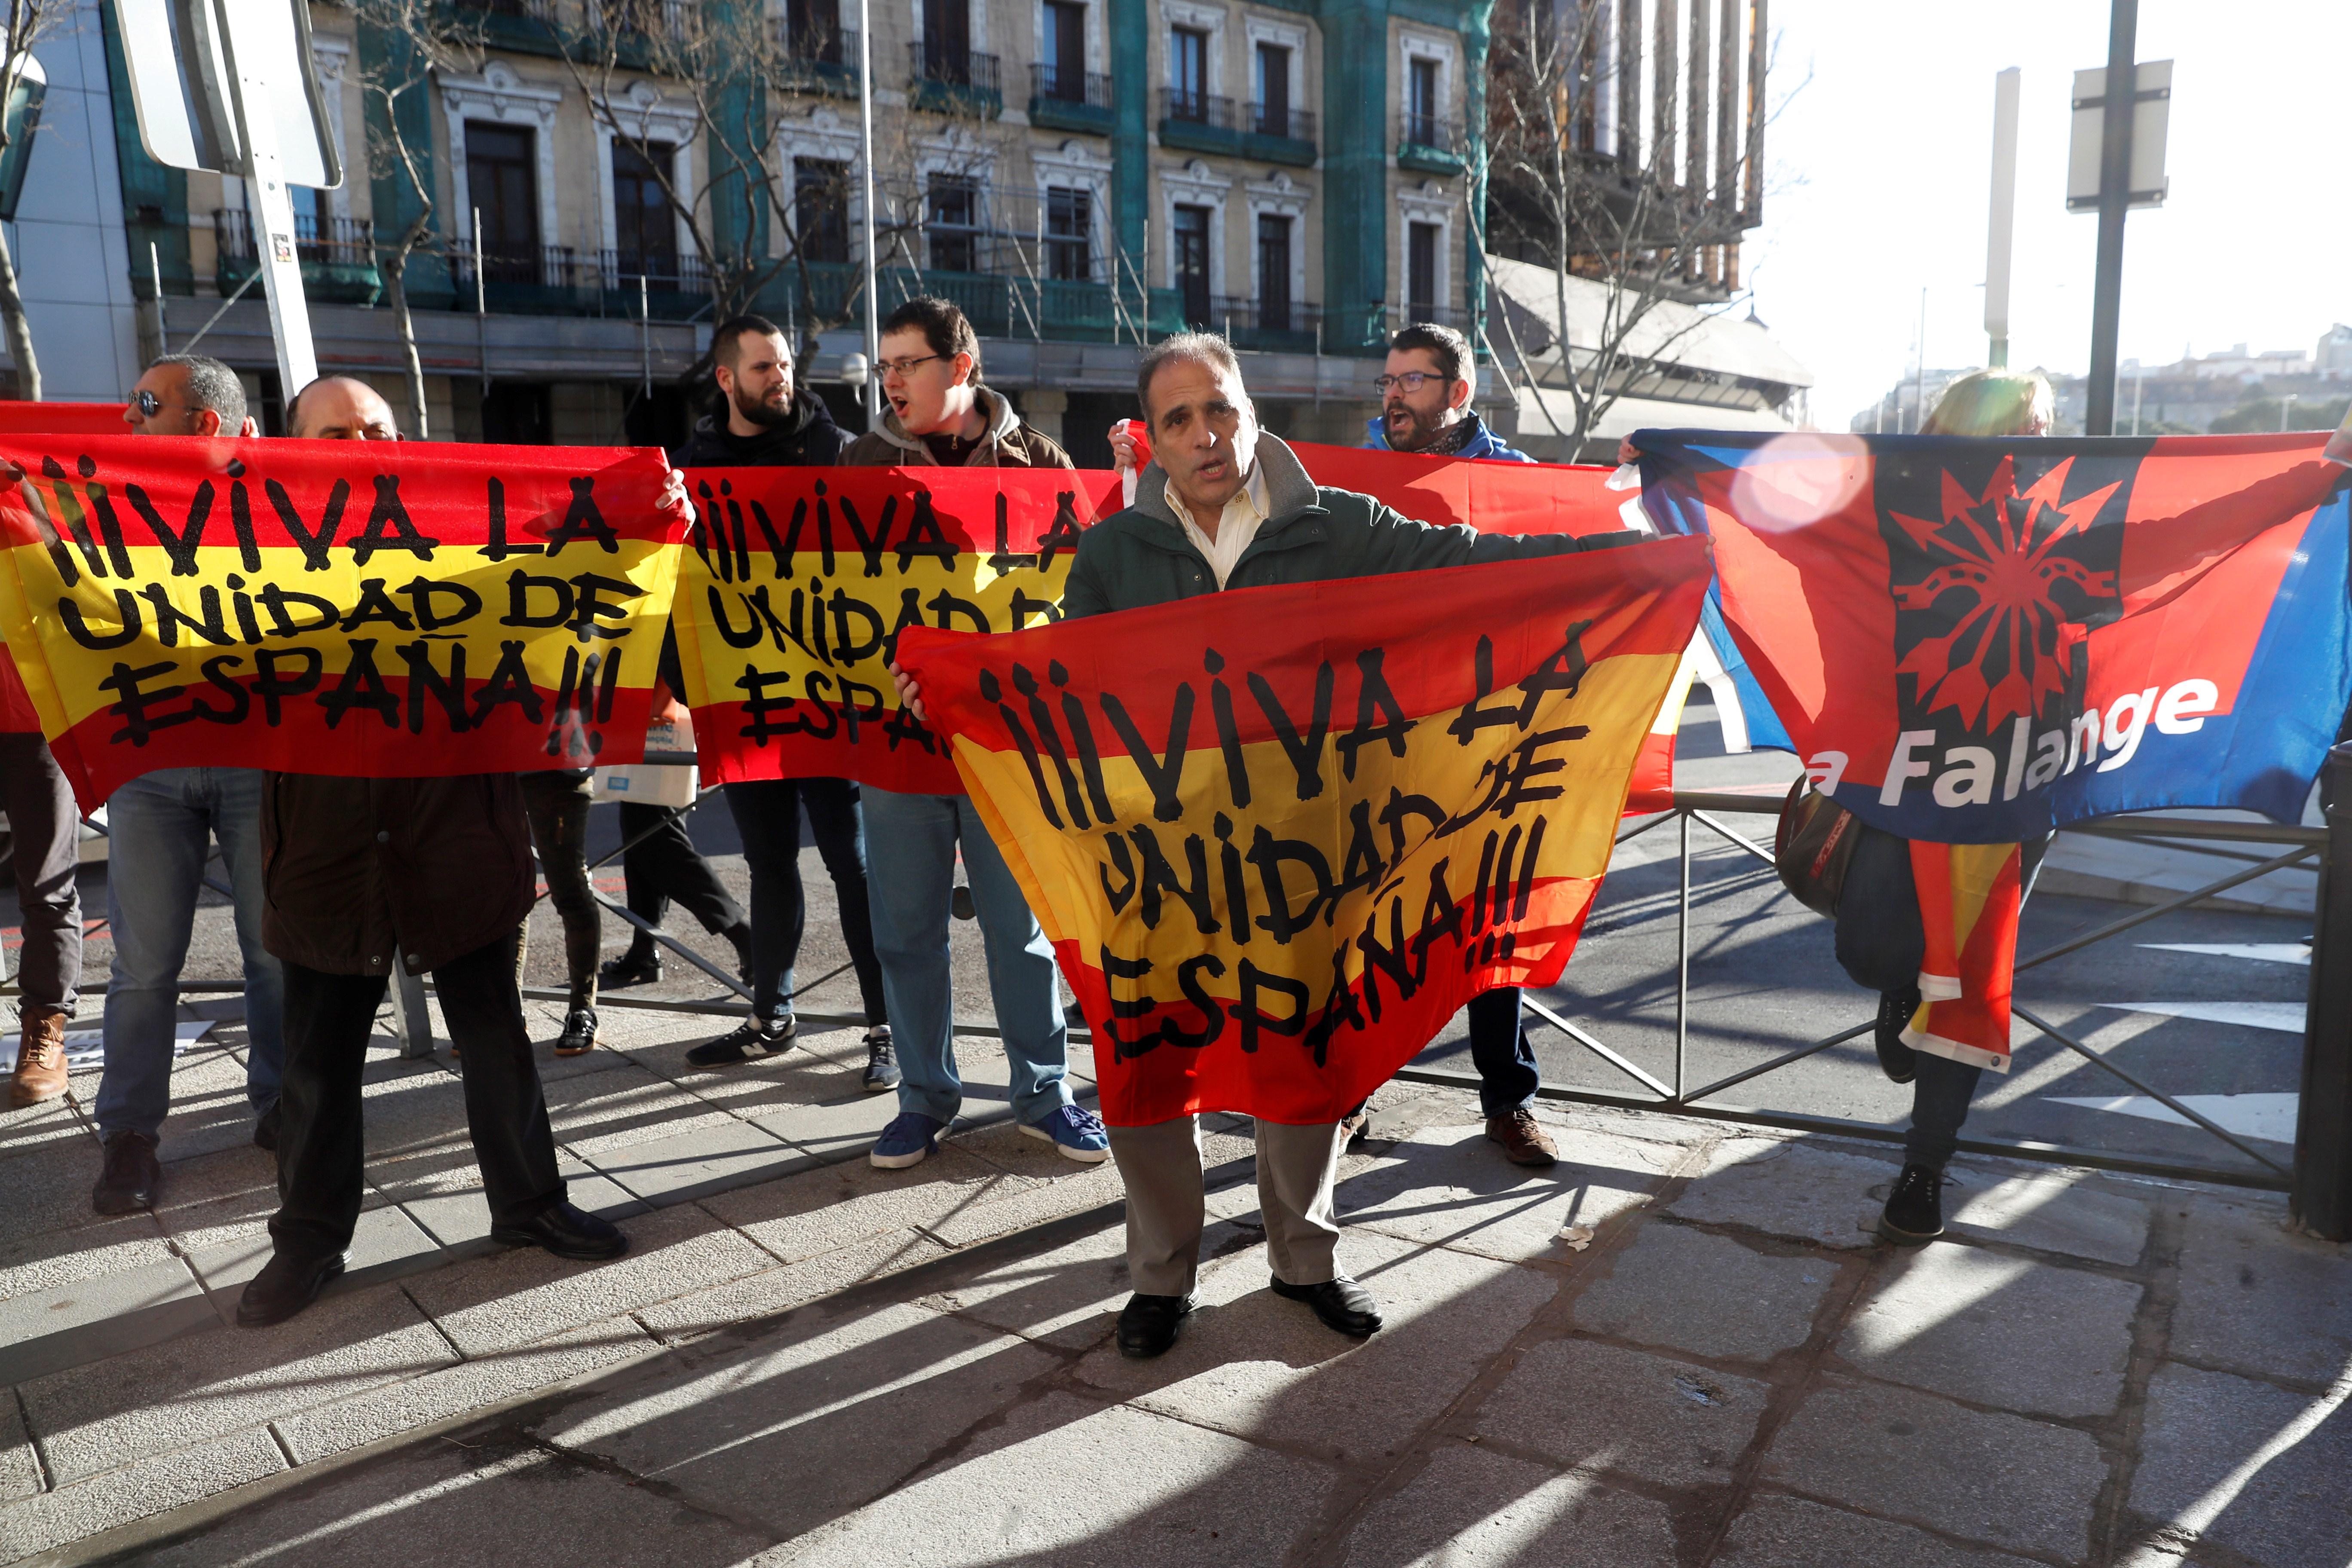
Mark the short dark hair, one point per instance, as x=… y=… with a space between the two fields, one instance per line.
x=944 y=328
x=211 y=384
x=1206 y=348
x=726 y=338
x=1448 y=347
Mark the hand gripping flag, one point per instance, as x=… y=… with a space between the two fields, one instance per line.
x=356 y=607
x=1279 y=836
x=1973 y=642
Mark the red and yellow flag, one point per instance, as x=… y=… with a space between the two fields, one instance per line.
x=364 y=608
x=1279 y=836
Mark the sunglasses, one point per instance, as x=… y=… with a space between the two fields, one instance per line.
x=147 y=403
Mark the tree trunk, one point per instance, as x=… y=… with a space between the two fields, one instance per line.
x=395 y=283
x=18 y=329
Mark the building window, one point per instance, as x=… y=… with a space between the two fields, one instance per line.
x=1421 y=122
x=953 y=222
x=1420 y=270
x=1273 y=272
x=1192 y=264
x=1069 y=234
x=1187 y=74
x=813 y=30
x=502 y=179
x=1065 y=52
x=1272 y=68
x=645 y=225
x=947 y=40
x=821 y=209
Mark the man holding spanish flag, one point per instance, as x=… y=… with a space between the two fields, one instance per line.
x=1224 y=506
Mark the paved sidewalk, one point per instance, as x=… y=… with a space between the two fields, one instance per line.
x=806 y=1361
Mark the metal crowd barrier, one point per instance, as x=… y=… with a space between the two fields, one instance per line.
x=2318 y=1181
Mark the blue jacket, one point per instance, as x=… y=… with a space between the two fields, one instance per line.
x=1483 y=443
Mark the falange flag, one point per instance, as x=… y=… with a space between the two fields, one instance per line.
x=1975 y=641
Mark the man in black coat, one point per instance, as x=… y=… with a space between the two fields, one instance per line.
x=763 y=422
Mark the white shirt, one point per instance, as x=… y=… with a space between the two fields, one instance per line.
x=1235 y=528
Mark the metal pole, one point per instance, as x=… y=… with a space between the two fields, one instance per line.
x=281 y=266
x=644 y=337
x=481 y=307
x=408 y=1011
x=2120 y=96
x=1682 y=962
x=865 y=156
x=2001 y=224
x=1920 y=380
x=2321 y=1198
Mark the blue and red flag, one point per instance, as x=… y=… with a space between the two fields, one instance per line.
x=1976 y=641
x=1973 y=642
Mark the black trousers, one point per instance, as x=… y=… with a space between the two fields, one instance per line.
x=768 y=819
x=1501 y=1052
x=557 y=803
x=667 y=866
x=321 y=1142
x=44 y=827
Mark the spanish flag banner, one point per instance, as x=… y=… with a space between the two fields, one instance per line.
x=363 y=608
x=799 y=581
x=1279 y=836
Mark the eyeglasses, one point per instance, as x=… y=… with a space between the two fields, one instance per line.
x=902 y=368
x=147 y=403
x=1412 y=380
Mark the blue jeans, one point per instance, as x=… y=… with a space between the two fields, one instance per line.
x=156 y=829
x=1501 y=1052
x=911 y=855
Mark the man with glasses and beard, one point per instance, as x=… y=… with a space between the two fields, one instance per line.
x=765 y=421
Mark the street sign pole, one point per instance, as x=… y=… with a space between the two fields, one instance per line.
x=2001 y=220
x=280 y=262
x=2114 y=203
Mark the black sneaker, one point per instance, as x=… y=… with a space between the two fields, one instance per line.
x=579 y=1036
x=881 y=1061
x=1898 y=1060
x=130 y=1177
x=1915 y=1209
x=632 y=968
x=747 y=1043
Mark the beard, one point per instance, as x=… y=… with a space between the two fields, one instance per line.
x=775 y=416
x=1418 y=430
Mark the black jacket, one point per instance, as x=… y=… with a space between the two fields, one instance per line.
x=808 y=439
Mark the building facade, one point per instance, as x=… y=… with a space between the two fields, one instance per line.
x=593 y=180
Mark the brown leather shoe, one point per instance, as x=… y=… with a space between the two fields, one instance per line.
x=40 y=1058
x=1524 y=1141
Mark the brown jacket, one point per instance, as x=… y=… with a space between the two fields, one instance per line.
x=355 y=869
x=1009 y=444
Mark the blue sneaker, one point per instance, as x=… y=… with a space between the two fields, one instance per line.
x=911 y=1138
x=1077 y=1132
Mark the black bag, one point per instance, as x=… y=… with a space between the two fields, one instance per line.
x=1813 y=846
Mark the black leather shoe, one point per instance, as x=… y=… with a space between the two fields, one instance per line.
x=1915 y=1209
x=265 y=1129
x=1344 y=1306
x=285 y=1286
x=1898 y=1061
x=630 y=969
x=132 y=1177
x=1148 y=1324
x=579 y=1036
x=567 y=1232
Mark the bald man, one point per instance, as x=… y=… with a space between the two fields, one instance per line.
x=342 y=408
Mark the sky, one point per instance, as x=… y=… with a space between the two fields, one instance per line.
x=1879 y=172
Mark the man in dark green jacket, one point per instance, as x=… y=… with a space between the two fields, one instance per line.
x=1223 y=505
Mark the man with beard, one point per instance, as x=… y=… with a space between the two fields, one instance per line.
x=765 y=421
x=1426 y=390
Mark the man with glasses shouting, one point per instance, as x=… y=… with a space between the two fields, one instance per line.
x=940 y=415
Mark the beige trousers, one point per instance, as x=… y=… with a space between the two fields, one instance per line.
x=1166 y=1206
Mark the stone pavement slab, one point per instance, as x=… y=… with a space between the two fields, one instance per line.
x=1997 y=1330
x=1783 y=1187
x=2257 y=1300
x=2247 y=1466
x=1790 y=1532
x=144 y=1487
x=386 y=1243
x=46 y=1331
x=703 y=1160
x=778 y=1290
x=20 y=1467
x=820 y=1210
x=1065 y=1481
x=1998 y=1479
x=1757 y=1304
x=1449 y=1186
x=1471 y=1509
x=1598 y=1408
x=2053 y=1212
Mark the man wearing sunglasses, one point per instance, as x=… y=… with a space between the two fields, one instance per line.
x=940 y=415
x=157 y=828
x=1426 y=390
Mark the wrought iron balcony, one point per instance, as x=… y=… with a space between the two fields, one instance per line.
x=947 y=80
x=1069 y=100
x=817 y=58
x=336 y=254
